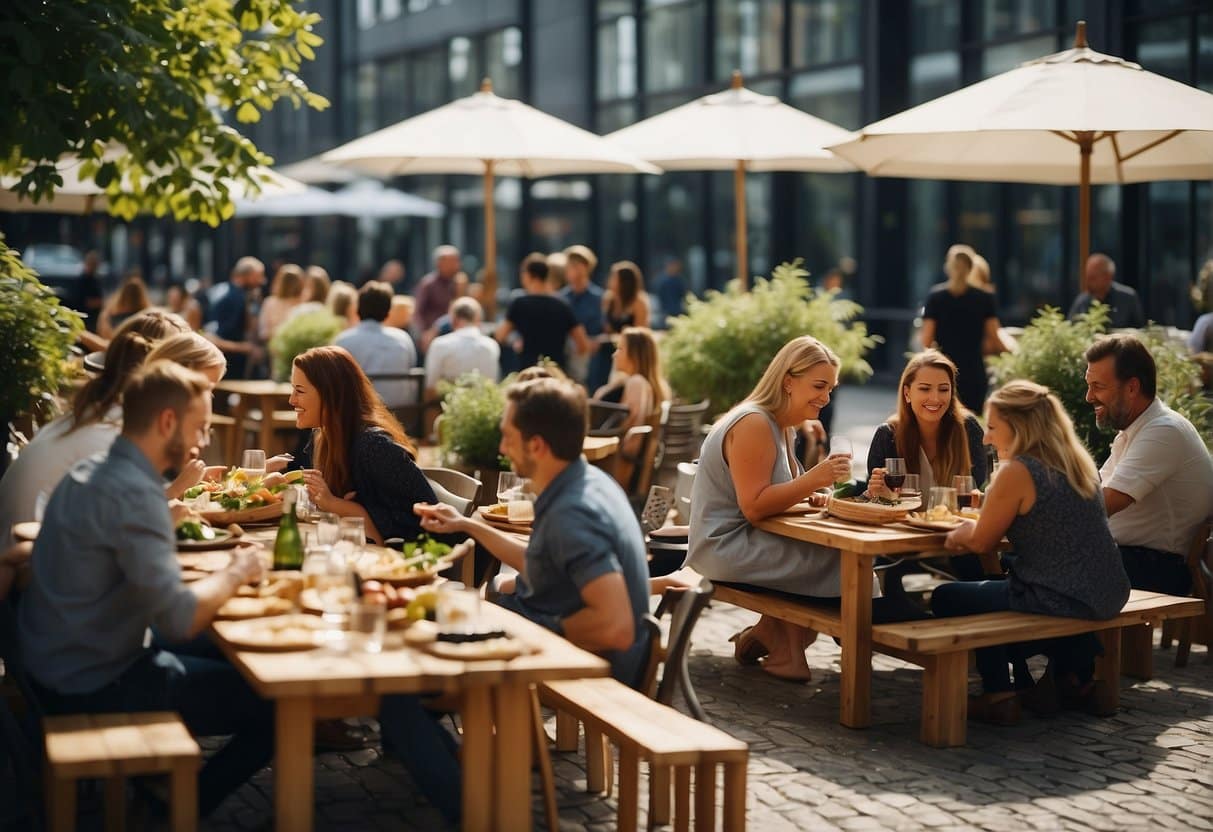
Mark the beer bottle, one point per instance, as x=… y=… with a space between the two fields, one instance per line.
x=288 y=545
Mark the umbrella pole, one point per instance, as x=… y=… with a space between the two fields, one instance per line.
x=739 y=221
x=490 y=245
x=1085 y=141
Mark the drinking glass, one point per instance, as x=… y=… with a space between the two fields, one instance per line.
x=507 y=483
x=353 y=530
x=367 y=624
x=335 y=589
x=964 y=490
x=253 y=463
x=942 y=496
x=842 y=445
x=458 y=608
x=911 y=487
x=304 y=508
x=895 y=473
x=328 y=528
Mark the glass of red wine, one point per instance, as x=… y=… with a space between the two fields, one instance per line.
x=895 y=474
x=964 y=491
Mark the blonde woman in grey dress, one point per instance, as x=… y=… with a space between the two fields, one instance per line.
x=748 y=472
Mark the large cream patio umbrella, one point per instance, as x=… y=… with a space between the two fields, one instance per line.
x=487 y=136
x=738 y=130
x=1077 y=117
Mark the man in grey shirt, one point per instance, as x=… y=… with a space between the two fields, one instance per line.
x=105 y=572
x=381 y=350
x=1124 y=306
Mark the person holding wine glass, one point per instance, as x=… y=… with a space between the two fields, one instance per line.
x=364 y=461
x=748 y=472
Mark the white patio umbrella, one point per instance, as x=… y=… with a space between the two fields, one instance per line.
x=364 y=198
x=313 y=171
x=738 y=130
x=487 y=136
x=1073 y=118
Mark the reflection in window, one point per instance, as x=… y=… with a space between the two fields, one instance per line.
x=828 y=211
x=825 y=31
x=1006 y=18
x=429 y=80
x=832 y=94
x=390 y=9
x=611 y=117
x=673 y=45
x=1035 y=264
x=1162 y=47
x=618 y=229
x=749 y=36
x=934 y=26
x=560 y=212
x=674 y=205
x=758 y=194
x=365 y=12
x=368 y=117
x=613 y=8
x=928 y=237
x=997 y=59
x=464 y=68
x=503 y=61
x=393 y=90
x=1204 y=52
x=933 y=75
x=1168 y=271
x=617 y=59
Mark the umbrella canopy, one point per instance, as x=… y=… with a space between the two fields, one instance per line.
x=1073 y=118
x=361 y=199
x=313 y=171
x=487 y=136
x=736 y=130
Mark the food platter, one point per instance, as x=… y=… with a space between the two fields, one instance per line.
x=277 y=634
x=379 y=563
x=223 y=539
x=219 y=516
x=498 y=515
x=209 y=561
x=920 y=521
x=240 y=607
x=876 y=514
x=493 y=649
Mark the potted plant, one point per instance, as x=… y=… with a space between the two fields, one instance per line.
x=36 y=336
x=1051 y=352
x=469 y=428
x=298 y=335
x=720 y=347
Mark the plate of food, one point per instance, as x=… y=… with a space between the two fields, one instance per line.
x=239 y=607
x=499 y=648
x=876 y=511
x=280 y=633
x=194 y=535
x=417 y=562
x=936 y=519
x=512 y=515
x=239 y=498
x=210 y=561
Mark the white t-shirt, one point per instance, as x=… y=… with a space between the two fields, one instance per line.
x=465 y=350
x=45 y=460
x=1162 y=463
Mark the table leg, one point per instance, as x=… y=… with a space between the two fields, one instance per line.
x=294 y=787
x=855 y=706
x=512 y=757
x=476 y=759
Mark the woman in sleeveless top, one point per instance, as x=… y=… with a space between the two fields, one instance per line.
x=1046 y=500
x=642 y=388
x=624 y=304
x=747 y=472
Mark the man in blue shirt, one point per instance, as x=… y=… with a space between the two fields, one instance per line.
x=583 y=573
x=381 y=350
x=586 y=299
x=228 y=322
x=105 y=572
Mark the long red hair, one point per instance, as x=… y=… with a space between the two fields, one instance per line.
x=348 y=406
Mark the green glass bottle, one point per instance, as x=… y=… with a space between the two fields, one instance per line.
x=288 y=545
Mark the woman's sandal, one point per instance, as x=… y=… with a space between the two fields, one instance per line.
x=797 y=677
x=747 y=649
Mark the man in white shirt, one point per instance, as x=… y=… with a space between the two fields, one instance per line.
x=1158 y=480
x=381 y=350
x=464 y=350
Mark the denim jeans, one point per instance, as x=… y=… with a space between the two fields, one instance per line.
x=426 y=748
x=212 y=699
x=1156 y=571
x=1070 y=654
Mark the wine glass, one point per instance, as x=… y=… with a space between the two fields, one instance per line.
x=253 y=463
x=964 y=490
x=507 y=485
x=942 y=496
x=844 y=446
x=895 y=473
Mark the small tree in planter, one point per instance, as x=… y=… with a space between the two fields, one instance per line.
x=469 y=430
x=36 y=335
x=1051 y=352
x=720 y=347
x=300 y=334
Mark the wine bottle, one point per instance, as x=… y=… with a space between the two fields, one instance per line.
x=288 y=544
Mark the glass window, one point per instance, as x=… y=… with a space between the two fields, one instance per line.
x=977 y=222
x=1035 y=263
x=929 y=237
x=998 y=59
x=758 y=195
x=419 y=5
x=367 y=101
x=1163 y=284
x=933 y=75
x=365 y=12
x=464 y=67
x=832 y=94
x=612 y=8
x=1204 y=223
x=825 y=31
x=1007 y=18
x=675 y=224
x=393 y=90
x=673 y=46
x=611 y=117
x=749 y=36
x=617 y=59
x=560 y=212
x=1162 y=47
x=827 y=219
x=429 y=80
x=934 y=25
x=618 y=214
x=390 y=9
x=503 y=59
x=1204 y=52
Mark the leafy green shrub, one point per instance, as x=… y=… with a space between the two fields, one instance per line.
x=298 y=335
x=720 y=347
x=470 y=433
x=36 y=335
x=1051 y=352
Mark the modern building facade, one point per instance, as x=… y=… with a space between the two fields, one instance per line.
x=603 y=64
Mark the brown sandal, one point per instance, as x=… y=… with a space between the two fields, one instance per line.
x=747 y=649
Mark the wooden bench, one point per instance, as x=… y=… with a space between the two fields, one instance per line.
x=672 y=743
x=112 y=747
x=941 y=645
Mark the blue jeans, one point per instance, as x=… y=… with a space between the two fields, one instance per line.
x=1156 y=571
x=428 y=751
x=1070 y=654
x=212 y=699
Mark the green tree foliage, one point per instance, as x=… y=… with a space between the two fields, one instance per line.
x=470 y=431
x=1051 y=352
x=720 y=347
x=152 y=78
x=36 y=333
x=298 y=335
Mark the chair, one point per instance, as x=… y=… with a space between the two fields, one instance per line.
x=1200 y=564
x=682 y=490
x=460 y=491
x=684 y=607
x=666 y=551
x=683 y=433
x=607 y=418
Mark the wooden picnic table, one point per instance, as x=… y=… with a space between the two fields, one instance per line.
x=267 y=394
x=859 y=545
x=495 y=711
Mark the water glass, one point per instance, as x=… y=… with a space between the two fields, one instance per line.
x=458 y=608
x=304 y=507
x=367 y=624
x=328 y=528
x=942 y=496
x=353 y=530
x=507 y=484
x=964 y=490
x=844 y=446
x=911 y=486
x=253 y=463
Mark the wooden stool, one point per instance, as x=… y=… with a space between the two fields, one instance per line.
x=113 y=747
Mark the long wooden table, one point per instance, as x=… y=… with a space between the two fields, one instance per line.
x=496 y=712
x=858 y=545
x=267 y=394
